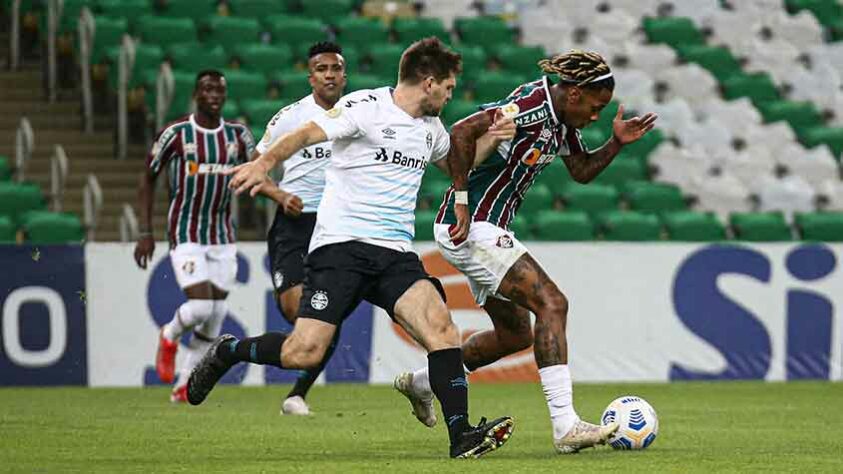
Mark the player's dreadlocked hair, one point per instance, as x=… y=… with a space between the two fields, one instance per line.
x=580 y=68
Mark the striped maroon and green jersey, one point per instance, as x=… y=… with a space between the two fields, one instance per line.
x=497 y=187
x=194 y=157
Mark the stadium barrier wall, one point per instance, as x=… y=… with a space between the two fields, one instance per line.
x=656 y=312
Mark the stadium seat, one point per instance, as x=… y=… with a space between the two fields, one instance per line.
x=760 y=226
x=164 y=31
x=384 y=60
x=257 y=8
x=494 y=86
x=594 y=136
x=486 y=31
x=230 y=31
x=264 y=58
x=69 y=21
x=674 y=31
x=433 y=186
x=820 y=226
x=5 y=169
x=328 y=11
x=623 y=169
x=521 y=228
x=231 y=111
x=830 y=136
x=653 y=197
x=692 y=226
x=556 y=177
x=646 y=144
x=759 y=87
x=591 y=198
x=183 y=84
x=197 y=10
x=362 y=33
x=7 y=231
x=826 y=11
x=628 y=226
x=260 y=112
x=42 y=227
x=244 y=85
x=194 y=57
x=519 y=60
x=147 y=57
x=424 y=224
x=131 y=10
x=18 y=198
x=800 y=115
x=473 y=63
x=408 y=30
x=296 y=32
x=294 y=85
x=357 y=82
x=538 y=198
x=563 y=226
x=108 y=32
x=457 y=110
x=607 y=115
x=718 y=60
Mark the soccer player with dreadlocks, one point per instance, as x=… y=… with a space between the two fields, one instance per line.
x=472 y=227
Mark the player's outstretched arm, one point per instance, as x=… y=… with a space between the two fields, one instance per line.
x=586 y=165
x=249 y=175
x=145 y=246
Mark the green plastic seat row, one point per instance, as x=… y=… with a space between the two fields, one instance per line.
x=827 y=12
x=760 y=226
x=821 y=135
x=45 y=227
x=716 y=59
x=674 y=31
x=8 y=233
x=820 y=226
x=758 y=87
x=18 y=198
x=5 y=169
x=486 y=31
x=800 y=115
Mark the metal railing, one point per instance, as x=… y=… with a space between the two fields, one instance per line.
x=24 y=144
x=14 y=36
x=129 y=228
x=87 y=31
x=124 y=75
x=92 y=200
x=58 y=177
x=165 y=87
x=54 y=10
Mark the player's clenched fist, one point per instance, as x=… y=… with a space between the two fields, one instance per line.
x=248 y=177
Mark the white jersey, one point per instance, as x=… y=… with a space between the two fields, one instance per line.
x=304 y=172
x=371 y=183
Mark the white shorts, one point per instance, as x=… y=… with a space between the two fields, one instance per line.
x=485 y=257
x=195 y=263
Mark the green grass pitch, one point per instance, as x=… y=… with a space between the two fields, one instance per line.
x=705 y=427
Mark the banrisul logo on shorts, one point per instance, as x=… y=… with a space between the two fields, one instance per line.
x=319 y=301
x=398 y=158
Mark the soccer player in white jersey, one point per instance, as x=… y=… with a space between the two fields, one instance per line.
x=194 y=150
x=298 y=195
x=361 y=247
x=472 y=228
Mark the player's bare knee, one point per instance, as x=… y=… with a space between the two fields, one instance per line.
x=299 y=354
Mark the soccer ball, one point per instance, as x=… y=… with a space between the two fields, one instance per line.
x=639 y=425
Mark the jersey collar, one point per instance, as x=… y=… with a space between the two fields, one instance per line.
x=546 y=86
x=203 y=129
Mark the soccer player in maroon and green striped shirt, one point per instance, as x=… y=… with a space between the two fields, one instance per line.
x=194 y=150
x=472 y=227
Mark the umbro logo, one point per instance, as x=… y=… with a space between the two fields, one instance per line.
x=388 y=134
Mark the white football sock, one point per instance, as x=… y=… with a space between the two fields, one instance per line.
x=196 y=348
x=421 y=381
x=187 y=316
x=556 y=384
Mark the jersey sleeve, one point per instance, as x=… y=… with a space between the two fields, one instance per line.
x=163 y=149
x=284 y=121
x=346 y=118
x=575 y=143
x=442 y=142
x=247 y=141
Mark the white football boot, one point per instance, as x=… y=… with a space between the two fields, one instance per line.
x=295 y=406
x=422 y=405
x=584 y=435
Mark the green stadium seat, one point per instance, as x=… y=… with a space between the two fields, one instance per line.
x=131 y=10
x=362 y=33
x=820 y=226
x=556 y=177
x=760 y=226
x=264 y=58
x=352 y=59
x=538 y=198
x=384 y=59
x=230 y=31
x=457 y=110
x=147 y=57
x=645 y=196
x=42 y=227
x=259 y=112
x=623 y=169
x=69 y=21
x=830 y=136
x=646 y=144
x=357 y=82
x=494 y=86
x=759 y=87
x=5 y=169
x=800 y=115
x=108 y=33
x=521 y=228
x=629 y=226
x=296 y=32
x=231 y=111
x=689 y=226
x=7 y=231
x=594 y=136
x=165 y=31
x=826 y=11
x=607 y=116
x=18 y=198
x=517 y=59
x=591 y=198
x=294 y=85
x=835 y=29
x=716 y=59
x=408 y=30
x=257 y=8
x=486 y=31
x=474 y=60
x=243 y=85
x=424 y=224
x=183 y=85
x=194 y=57
x=433 y=185
x=674 y=31
x=328 y=11
x=196 y=10
x=563 y=226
